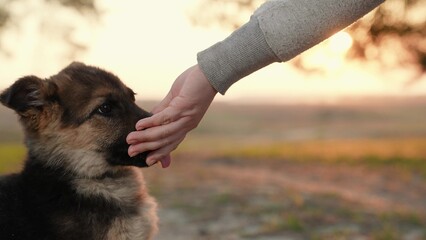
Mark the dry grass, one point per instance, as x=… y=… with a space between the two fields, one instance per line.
x=355 y=171
x=238 y=198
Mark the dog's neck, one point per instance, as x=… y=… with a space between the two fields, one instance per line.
x=40 y=175
x=79 y=163
x=121 y=187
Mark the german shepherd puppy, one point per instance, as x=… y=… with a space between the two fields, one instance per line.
x=78 y=181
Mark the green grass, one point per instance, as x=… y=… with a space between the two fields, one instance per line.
x=386 y=233
x=11 y=157
x=293 y=223
x=402 y=154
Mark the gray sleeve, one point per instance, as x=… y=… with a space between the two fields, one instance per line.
x=278 y=31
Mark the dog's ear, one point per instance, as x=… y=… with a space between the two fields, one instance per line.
x=26 y=93
x=75 y=65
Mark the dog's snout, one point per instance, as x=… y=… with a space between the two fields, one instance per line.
x=141 y=113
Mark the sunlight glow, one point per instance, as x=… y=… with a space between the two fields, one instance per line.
x=330 y=55
x=148 y=51
x=340 y=42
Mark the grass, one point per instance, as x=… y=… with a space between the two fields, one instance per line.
x=273 y=210
x=387 y=233
x=11 y=157
x=402 y=154
x=405 y=154
x=270 y=210
x=216 y=182
x=259 y=212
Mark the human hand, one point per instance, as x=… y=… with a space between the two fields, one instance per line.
x=177 y=114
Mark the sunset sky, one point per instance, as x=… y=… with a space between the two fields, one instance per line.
x=149 y=43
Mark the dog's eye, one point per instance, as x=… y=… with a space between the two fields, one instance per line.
x=105 y=109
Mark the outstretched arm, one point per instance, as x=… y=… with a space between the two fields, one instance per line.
x=278 y=31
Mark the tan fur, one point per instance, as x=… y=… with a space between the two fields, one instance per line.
x=138 y=227
x=126 y=191
x=65 y=131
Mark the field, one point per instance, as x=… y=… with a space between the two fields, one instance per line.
x=349 y=171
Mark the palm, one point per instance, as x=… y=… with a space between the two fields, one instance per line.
x=179 y=112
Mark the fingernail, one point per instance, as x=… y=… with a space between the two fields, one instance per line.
x=138 y=125
x=151 y=162
x=129 y=139
x=132 y=154
x=165 y=163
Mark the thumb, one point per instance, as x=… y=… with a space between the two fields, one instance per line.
x=163 y=104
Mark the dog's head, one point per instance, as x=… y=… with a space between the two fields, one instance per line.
x=77 y=119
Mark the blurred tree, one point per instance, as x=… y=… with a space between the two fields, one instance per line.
x=55 y=20
x=394 y=34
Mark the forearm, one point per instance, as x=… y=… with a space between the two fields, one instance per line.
x=242 y=53
x=278 y=31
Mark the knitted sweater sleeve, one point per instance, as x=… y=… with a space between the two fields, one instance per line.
x=277 y=31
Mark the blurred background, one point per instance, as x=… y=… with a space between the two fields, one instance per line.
x=331 y=145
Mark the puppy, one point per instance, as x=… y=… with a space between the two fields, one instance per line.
x=78 y=181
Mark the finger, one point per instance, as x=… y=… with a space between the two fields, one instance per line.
x=163 y=154
x=174 y=139
x=148 y=122
x=165 y=162
x=155 y=133
x=135 y=149
x=163 y=104
x=166 y=116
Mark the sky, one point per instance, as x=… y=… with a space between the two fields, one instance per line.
x=149 y=43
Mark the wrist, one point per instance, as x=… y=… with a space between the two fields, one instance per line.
x=207 y=87
x=242 y=53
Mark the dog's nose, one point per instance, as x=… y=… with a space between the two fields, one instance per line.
x=140 y=113
x=144 y=114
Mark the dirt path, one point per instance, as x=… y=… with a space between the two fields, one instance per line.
x=240 y=199
x=378 y=190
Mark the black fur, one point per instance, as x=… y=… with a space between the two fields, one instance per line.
x=41 y=196
x=42 y=202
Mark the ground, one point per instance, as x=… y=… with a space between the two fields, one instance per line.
x=205 y=197
x=354 y=171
